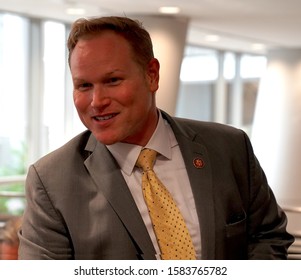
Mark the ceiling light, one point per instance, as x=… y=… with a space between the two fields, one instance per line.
x=258 y=47
x=169 y=10
x=212 y=38
x=75 y=11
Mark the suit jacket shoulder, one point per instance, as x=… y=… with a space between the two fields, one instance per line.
x=75 y=148
x=84 y=209
x=238 y=213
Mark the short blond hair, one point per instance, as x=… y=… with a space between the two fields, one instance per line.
x=131 y=30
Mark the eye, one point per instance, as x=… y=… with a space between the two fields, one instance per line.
x=84 y=86
x=114 y=81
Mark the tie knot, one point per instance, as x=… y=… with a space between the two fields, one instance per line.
x=146 y=159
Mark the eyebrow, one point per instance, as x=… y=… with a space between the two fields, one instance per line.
x=78 y=80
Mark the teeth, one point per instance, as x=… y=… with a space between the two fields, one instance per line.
x=104 y=118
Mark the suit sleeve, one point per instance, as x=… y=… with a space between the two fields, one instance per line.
x=43 y=234
x=268 y=238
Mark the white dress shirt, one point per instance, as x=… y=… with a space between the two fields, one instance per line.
x=170 y=169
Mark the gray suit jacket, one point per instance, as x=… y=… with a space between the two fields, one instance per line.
x=79 y=206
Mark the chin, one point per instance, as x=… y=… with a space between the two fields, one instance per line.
x=105 y=140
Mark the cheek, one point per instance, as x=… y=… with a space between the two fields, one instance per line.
x=81 y=102
x=136 y=103
x=140 y=95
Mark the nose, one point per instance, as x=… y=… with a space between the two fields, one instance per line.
x=100 y=98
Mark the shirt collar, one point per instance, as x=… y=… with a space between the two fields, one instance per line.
x=161 y=141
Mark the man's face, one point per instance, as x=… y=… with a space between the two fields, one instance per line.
x=114 y=96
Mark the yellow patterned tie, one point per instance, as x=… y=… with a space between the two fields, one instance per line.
x=172 y=234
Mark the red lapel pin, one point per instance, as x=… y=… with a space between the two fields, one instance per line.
x=198 y=163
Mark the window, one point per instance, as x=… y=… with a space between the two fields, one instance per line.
x=37 y=113
x=252 y=66
x=54 y=60
x=199 y=72
x=199 y=65
x=219 y=86
x=13 y=100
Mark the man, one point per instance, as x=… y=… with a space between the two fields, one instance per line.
x=85 y=200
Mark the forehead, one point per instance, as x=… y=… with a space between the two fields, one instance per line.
x=105 y=42
x=101 y=54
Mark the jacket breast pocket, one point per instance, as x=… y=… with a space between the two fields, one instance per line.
x=235 y=242
x=237 y=225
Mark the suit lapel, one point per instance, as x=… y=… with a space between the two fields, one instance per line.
x=200 y=180
x=108 y=177
x=110 y=182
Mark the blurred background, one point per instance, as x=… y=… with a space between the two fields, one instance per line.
x=236 y=62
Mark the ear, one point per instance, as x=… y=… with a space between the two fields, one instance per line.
x=152 y=74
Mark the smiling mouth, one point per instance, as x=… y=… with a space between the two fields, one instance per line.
x=105 y=118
